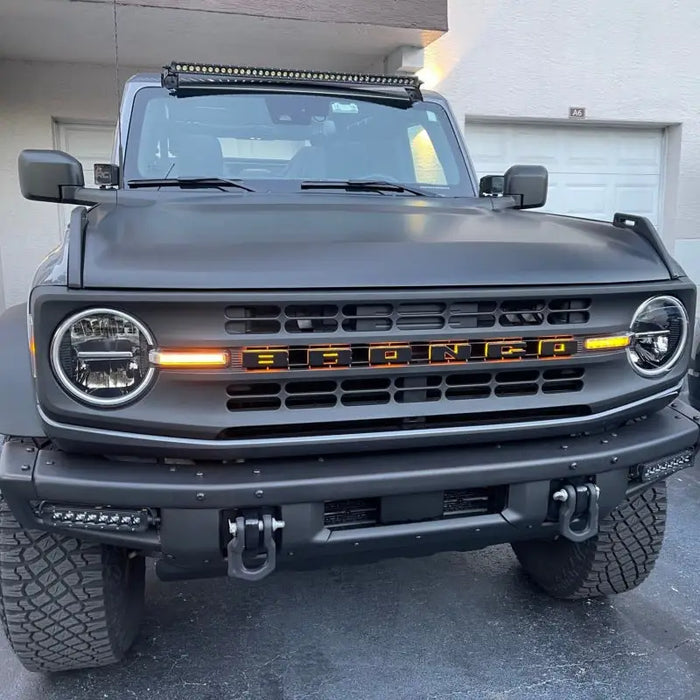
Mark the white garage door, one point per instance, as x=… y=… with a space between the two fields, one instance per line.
x=593 y=171
x=90 y=143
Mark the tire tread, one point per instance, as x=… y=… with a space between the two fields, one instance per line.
x=64 y=603
x=617 y=559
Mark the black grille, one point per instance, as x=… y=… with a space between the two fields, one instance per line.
x=373 y=317
x=417 y=422
x=419 y=388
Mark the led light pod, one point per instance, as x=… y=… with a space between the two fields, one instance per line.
x=659 y=332
x=100 y=356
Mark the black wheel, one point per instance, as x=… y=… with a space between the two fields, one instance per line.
x=64 y=603
x=617 y=559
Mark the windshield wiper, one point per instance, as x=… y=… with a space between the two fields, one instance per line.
x=362 y=186
x=191 y=182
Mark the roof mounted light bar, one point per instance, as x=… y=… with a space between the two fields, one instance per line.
x=183 y=76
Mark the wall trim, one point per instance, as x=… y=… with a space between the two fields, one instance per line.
x=556 y=121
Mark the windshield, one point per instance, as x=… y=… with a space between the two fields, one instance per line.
x=277 y=141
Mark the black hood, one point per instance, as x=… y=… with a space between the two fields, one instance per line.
x=182 y=240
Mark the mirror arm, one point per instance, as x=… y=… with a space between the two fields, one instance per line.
x=70 y=194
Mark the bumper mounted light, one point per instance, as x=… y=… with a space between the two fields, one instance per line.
x=653 y=471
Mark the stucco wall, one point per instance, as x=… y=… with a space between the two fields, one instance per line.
x=34 y=95
x=622 y=60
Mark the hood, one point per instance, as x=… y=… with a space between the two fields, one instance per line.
x=183 y=240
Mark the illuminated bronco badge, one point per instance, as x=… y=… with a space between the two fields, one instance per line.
x=401 y=354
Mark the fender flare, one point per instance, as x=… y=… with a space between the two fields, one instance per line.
x=18 y=411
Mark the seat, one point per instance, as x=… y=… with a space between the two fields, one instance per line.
x=308 y=163
x=199 y=156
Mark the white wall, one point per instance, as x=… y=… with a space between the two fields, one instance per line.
x=624 y=60
x=31 y=96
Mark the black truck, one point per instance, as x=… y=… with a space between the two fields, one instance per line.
x=289 y=327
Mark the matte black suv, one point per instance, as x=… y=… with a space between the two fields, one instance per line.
x=290 y=327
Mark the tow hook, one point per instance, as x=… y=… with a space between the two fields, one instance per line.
x=571 y=499
x=252 y=534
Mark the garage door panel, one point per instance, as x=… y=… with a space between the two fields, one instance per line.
x=582 y=199
x=489 y=147
x=640 y=153
x=534 y=146
x=638 y=197
x=593 y=171
x=584 y=152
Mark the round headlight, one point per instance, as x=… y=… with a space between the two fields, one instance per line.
x=659 y=333
x=101 y=357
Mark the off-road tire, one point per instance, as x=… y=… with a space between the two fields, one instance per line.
x=617 y=559
x=66 y=604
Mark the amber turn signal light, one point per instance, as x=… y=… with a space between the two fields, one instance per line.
x=195 y=359
x=610 y=342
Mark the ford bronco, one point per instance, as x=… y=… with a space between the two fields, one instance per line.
x=290 y=327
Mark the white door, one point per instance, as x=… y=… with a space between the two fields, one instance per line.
x=90 y=143
x=593 y=171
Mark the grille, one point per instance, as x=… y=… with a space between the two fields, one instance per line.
x=457 y=503
x=419 y=388
x=406 y=424
x=372 y=317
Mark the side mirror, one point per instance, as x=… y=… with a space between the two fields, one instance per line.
x=44 y=174
x=527 y=184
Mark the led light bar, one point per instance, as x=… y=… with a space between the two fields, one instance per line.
x=664 y=467
x=179 y=75
x=117 y=520
x=196 y=359
x=611 y=342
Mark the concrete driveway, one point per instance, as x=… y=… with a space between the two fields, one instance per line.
x=451 y=626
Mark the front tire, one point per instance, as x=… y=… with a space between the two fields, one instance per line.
x=64 y=603
x=616 y=560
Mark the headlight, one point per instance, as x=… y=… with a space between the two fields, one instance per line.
x=101 y=357
x=659 y=333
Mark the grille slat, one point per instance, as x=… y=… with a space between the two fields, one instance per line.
x=330 y=318
x=376 y=391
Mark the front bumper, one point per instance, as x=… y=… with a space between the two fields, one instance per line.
x=192 y=501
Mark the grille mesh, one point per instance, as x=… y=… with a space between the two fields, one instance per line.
x=375 y=391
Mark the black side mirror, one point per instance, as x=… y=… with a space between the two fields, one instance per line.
x=527 y=184
x=491 y=186
x=44 y=174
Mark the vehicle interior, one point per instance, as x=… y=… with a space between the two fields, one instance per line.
x=297 y=137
